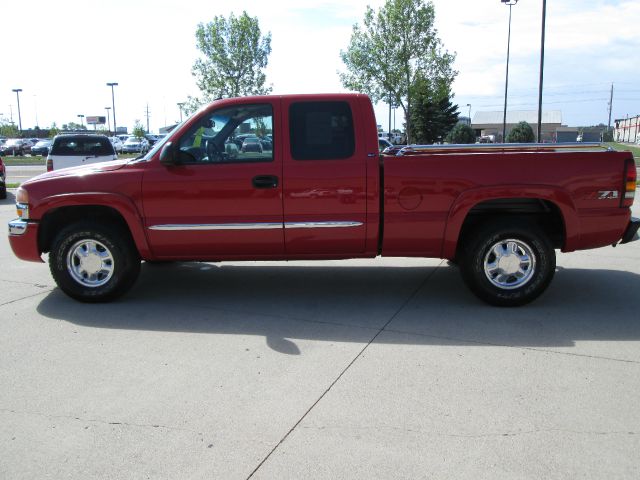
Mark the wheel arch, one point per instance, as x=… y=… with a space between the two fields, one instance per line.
x=71 y=208
x=551 y=208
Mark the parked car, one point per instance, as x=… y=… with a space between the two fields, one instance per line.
x=393 y=149
x=3 y=180
x=251 y=144
x=41 y=148
x=267 y=144
x=152 y=139
x=15 y=146
x=117 y=144
x=383 y=144
x=73 y=150
x=135 y=145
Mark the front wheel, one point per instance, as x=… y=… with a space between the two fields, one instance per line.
x=508 y=264
x=94 y=263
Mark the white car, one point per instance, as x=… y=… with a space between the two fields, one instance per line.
x=135 y=145
x=74 y=150
x=117 y=144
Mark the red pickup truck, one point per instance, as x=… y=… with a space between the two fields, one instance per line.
x=300 y=177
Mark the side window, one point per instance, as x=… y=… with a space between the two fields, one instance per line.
x=321 y=130
x=242 y=133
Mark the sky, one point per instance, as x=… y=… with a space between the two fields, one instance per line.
x=62 y=54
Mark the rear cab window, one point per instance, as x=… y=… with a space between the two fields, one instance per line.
x=321 y=131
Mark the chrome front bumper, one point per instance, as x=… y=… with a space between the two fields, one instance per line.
x=17 y=227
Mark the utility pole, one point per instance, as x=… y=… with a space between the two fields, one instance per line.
x=610 y=108
x=147 y=114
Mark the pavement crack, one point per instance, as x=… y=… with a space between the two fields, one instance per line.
x=100 y=422
x=479 y=435
x=15 y=300
x=337 y=379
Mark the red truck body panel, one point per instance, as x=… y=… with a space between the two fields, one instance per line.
x=426 y=198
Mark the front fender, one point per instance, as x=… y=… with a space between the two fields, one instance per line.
x=470 y=198
x=122 y=204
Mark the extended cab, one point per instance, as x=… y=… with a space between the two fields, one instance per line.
x=317 y=188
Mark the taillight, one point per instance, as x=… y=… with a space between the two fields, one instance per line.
x=49 y=165
x=630 y=178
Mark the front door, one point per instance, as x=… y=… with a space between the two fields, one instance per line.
x=224 y=198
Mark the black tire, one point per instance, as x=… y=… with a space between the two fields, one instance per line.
x=3 y=191
x=491 y=255
x=112 y=261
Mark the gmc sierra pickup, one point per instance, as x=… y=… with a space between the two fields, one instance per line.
x=300 y=177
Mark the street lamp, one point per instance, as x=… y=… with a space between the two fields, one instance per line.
x=544 y=17
x=180 y=105
x=469 y=105
x=109 y=121
x=506 y=83
x=113 y=104
x=81 y=117
x=18 y=90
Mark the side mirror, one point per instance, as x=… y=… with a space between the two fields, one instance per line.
x=168 y=154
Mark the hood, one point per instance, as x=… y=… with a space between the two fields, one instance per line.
x=90 y=169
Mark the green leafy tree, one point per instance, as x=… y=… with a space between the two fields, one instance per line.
x=234 y=55
x=461 y=133
x=54 y=130
x=138 y=130
x=9 y=130
x=521 y=133
x=433 y=115
x=395 y=46
x=73 y=126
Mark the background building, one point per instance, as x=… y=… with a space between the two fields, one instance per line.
x=627 y=130
x=488 y=124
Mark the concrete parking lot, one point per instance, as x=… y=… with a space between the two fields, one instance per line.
x=385 y=368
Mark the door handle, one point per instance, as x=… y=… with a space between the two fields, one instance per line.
x=265 y=181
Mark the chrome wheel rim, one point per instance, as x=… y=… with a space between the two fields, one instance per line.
x=509 y=264
x=90 y=263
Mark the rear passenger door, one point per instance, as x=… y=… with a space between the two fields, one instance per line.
x=324 y=168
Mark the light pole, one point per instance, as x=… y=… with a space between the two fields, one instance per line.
x=18 y=90
x=81 y=117
x=469 y=105
x=180 y=105
x=113 y=104
x=506 y=83
x=109 y=121
x=35 y=103
x=544 y=18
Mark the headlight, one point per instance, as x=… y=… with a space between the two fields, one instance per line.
x=22 y=203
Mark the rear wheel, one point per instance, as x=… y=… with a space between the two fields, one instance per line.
x=94 y=263
x=508 y=264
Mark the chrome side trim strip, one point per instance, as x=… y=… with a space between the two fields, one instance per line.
x=254 y=226
x=219 y=226
x=322 y=224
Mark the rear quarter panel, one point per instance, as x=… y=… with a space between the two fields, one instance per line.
x=428 y=196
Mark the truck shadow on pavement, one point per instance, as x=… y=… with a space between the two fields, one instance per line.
x=416 y=305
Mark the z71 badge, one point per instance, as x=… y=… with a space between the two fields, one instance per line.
x=607 y=194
